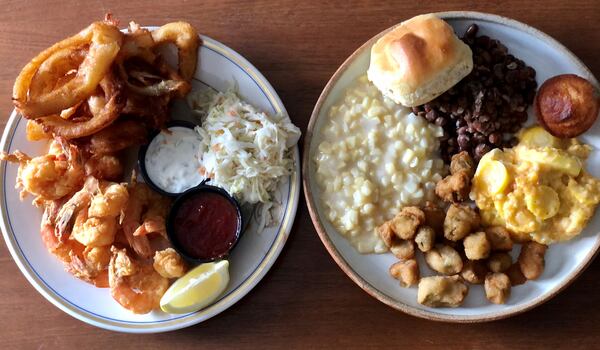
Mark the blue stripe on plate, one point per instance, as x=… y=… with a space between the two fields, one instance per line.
x=125 y=321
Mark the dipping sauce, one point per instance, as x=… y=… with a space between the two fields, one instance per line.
x=172 y=159
x=206 y=225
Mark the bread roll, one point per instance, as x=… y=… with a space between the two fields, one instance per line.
x=419 y=60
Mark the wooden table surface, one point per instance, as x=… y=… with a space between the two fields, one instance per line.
x=305 y=301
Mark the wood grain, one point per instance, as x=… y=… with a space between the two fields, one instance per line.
x=306 y=301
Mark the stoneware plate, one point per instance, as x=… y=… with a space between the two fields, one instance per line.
x=564 y=262
x=218 y=67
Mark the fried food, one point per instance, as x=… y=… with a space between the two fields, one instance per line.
x=95 y=95
x=137 y=287
x=531 y=259
x=515 y=275
x=169 y=264
x=425 y=238
x=120 y=135
x=455 y=187
x=101 y=110
x=497 y=287
x=434 y=217
x=386 y=233
x=50 y=176
x=567 y=105
x=104 y=42
x=477 y=246
x=406 y=271
x=460 y=221
x=144 y=214
x=184 y=36
x=403 y=249
x=441 y=291
x=474 y=271
x=444 y=259
x=462 y=162
x=499 y=238
x=35 y=132
x=405 y=224
x=105 y=167
x=499 y=262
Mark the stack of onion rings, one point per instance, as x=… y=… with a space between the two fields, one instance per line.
x=83 y=84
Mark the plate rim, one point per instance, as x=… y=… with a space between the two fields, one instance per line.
x=331 y=247
x=200 y=316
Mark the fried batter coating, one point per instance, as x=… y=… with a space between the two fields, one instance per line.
x=497 y=287
x=499 y=262
x=462 y=162
x=406 y=222
x=531 y=259
x=425 y=238
x=440 y=291
x=434 y=216
x=515 y=275
x=406 y=271
x=404 y=249
x=477 y=246
x=444 y=259
x=454 y=188
x=169 y=264
x=499 y=238
x=386 y=234
x=474 y=271
x=460 y=221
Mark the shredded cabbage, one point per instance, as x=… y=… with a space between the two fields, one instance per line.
x=243 y=150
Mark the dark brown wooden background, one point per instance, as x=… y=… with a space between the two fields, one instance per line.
x=305 y=301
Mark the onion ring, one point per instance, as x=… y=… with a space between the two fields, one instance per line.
x=185 y=37
x=104 y=109
x=105 y=42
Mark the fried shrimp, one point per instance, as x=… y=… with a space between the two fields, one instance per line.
x=138 y=288
x=48 y=177
x=169 y=264
x=145 y=214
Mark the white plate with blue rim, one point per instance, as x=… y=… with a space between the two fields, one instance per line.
x=564 y=261
x=219 y=67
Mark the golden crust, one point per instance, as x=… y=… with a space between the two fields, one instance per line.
x=419 y=60
x=567 y=105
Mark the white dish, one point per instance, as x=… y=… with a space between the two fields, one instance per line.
x=564 y=262
x=218 y=67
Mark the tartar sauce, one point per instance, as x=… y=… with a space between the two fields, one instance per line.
x=172 y=159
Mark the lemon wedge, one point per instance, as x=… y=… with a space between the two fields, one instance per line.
x=196 y=289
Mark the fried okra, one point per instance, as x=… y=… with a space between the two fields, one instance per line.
x=515 y=275
x=386 y=233
x=460 y=221
x=406 y=222
x=425 y=238
x=499 y=238
x=499 y=262
x=406 y=271
x=444 y=259
x=474 y=271
x=434 y=217
x=462 y=162
x=531 y=259
x=455 y=187
x=477 y=246
x=403 y=249
x=440 y=291
x=497 y=287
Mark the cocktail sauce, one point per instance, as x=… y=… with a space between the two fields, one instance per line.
x=206 y=225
